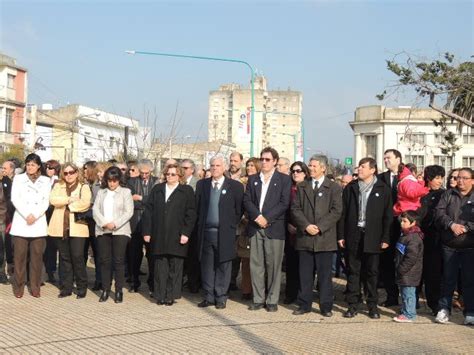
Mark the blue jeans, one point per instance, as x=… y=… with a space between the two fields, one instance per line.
x=408 y=301
x=453 y=259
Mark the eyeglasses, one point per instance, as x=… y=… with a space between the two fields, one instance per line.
x=296 y=171
x=72 y=172
x=49 y=167
x=453 y=177
x=171 y=174
x=462 y=178
x=266 y=159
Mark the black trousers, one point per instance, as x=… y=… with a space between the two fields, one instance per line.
x=112 y=249
x=168 y=276
x=215 y=275
x=359 y=263
x=192 y=265
x=432 y=273
x=50 y=256
x=73 y=267
x=321 y=262
x=387 y=264
x=292 y=272
x=136 y=257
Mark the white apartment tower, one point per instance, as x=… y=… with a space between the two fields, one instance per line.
x=277 y=118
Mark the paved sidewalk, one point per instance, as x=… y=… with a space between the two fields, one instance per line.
x=52 y=325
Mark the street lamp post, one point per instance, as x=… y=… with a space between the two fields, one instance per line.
x=252 y=78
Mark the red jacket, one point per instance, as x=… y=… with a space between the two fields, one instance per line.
x=410 y=190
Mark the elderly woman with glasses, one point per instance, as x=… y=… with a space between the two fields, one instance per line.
x=70 y=196
x=167 y=223
x=112 y=211
x=30 y=196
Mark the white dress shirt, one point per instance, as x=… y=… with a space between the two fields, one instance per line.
x=320 y=181
x=265 y=187
x=169 y=190
x=220 y=181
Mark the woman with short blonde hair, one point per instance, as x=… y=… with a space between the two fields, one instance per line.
x=70 y=196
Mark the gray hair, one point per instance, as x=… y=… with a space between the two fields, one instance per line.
x=190 y=161
x=321 y=159
x=145 y=163
x=286 y=160
x=218 y=157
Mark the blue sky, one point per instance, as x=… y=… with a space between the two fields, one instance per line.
x=332 y=51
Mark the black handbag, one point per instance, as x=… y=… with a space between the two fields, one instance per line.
x=83 y=217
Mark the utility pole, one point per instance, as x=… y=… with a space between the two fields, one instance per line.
x=125 y=144
x=33 y=127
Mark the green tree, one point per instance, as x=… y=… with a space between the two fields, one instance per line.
x=13 y=151
x=448 y=86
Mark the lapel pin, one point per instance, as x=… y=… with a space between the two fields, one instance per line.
x=377 y=194
x=320 y=194
x=224 y=192
x=256 y=183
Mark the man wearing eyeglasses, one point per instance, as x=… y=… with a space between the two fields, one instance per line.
x=266 y=201
x=455 y=215
x=140 y=187
x=316 y=210
x=189 y=168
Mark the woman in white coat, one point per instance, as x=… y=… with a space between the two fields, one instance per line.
x=30 y=196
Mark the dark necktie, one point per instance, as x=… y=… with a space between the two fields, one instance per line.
x=216 y=186
x=316 y=183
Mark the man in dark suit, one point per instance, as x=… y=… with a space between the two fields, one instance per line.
x=364 y=232
x=219 y=203
x=266 y=202
x=316 y=210
x=141 y=188
x=189 y=169
x=392 y=159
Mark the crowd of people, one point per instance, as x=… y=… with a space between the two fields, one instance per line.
x=400 y=230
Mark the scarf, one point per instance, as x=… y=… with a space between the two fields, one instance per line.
x=364 y=192
x=34 y=177
x=66 y=226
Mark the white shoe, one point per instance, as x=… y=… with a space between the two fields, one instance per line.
x=469 y=320
x=442 y=316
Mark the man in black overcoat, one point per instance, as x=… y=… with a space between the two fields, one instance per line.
x=219 y=204
x=316 y=210
x=364 y=232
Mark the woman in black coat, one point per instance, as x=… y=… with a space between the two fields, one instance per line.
x=167 y=223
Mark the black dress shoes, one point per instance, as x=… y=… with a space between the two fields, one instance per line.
x=104 y=296
x=204 y=304
x=169 y=303
x=350 y=313
x=63 y=294
x=134 y=289
x=256 y=306
x=300 y=311
x=272 y=307
x=81 y=294
x=220 y=305
x=327 y=314
x=160 y=302
x=118 y=296
x=374 y=313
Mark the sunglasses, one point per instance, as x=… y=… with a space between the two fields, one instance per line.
x=453 y=178
x=296 y=171
x=49 y=167
x=171 y=174
x=72 y=172
x=266 y=159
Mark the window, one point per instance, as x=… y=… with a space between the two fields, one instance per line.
x=11 y=81
x=371 y=146
x=444 y=161
x=417 y=138
x=468 y=138
x=418 y=160
x=468 y=162
x=9 y=120
x=439 y=138
x=111 y=142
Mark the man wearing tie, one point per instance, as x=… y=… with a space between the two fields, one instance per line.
x=219 y=204
x=392 y=159
x=140 y=187
x=266 y=201
x=316 y=210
